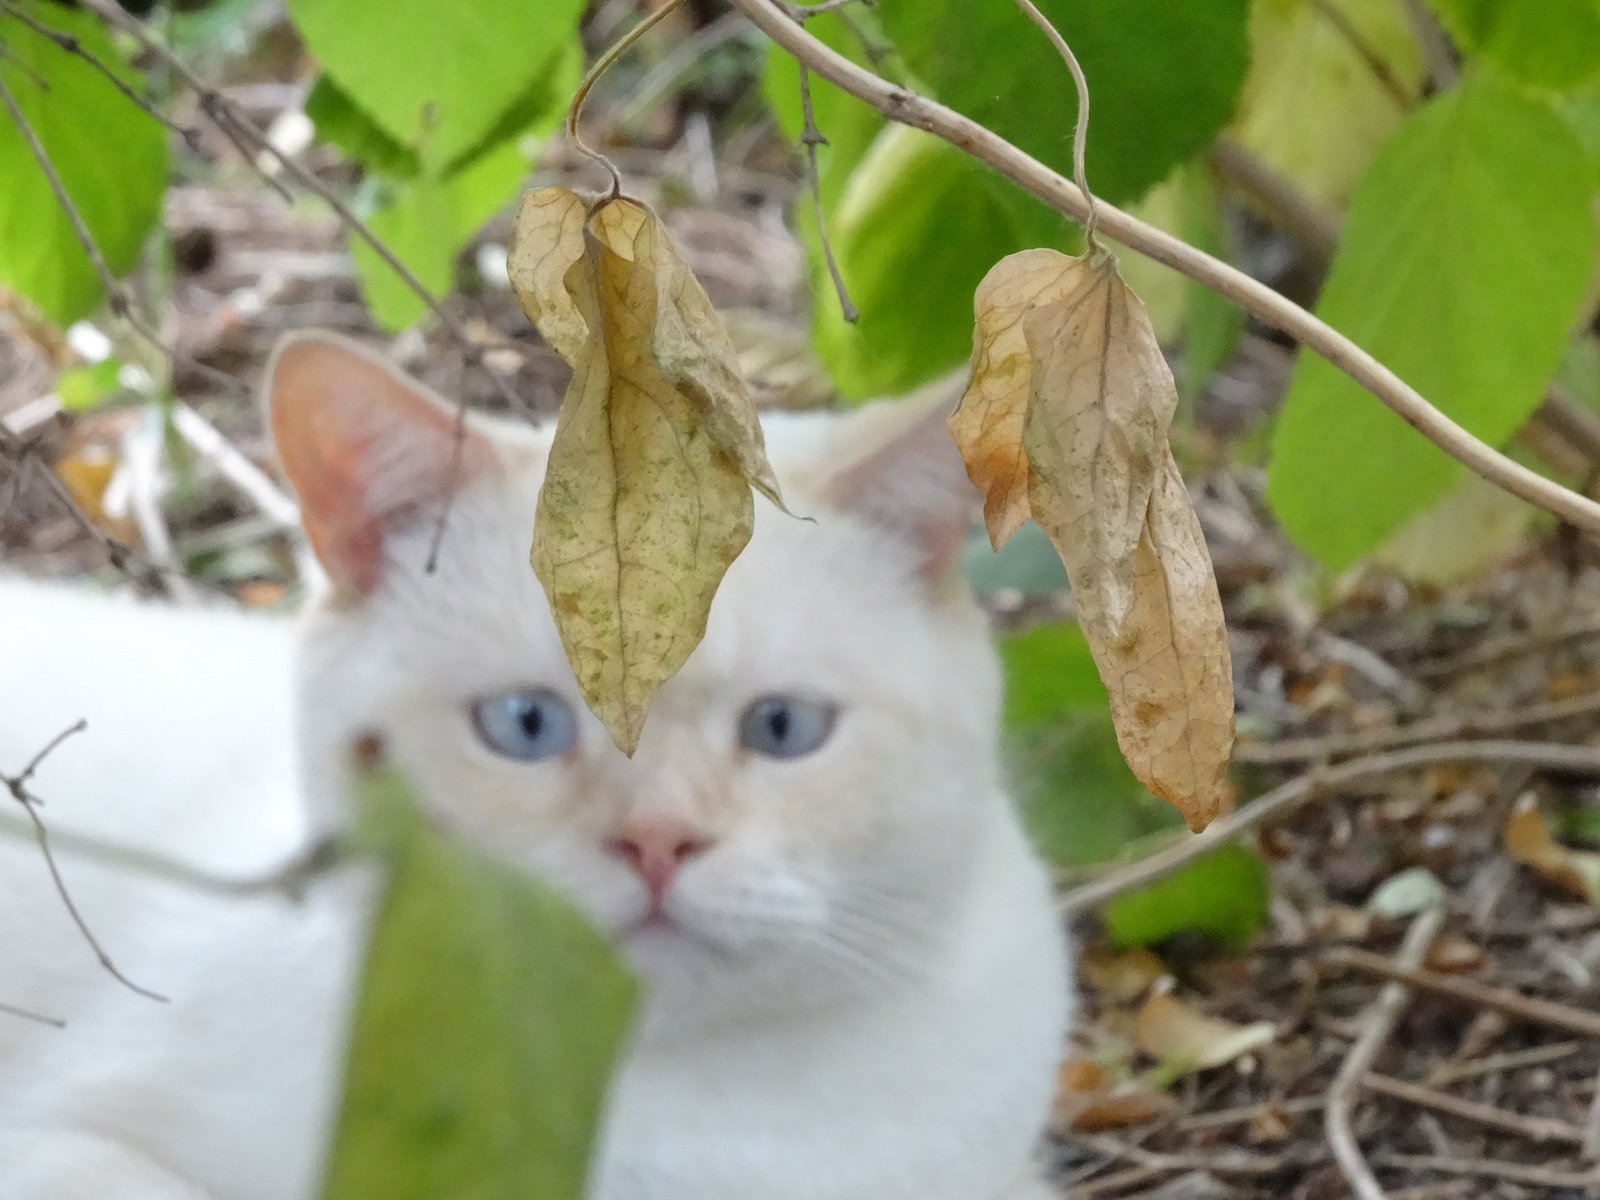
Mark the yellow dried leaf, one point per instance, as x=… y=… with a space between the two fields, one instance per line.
x=987 y=423
x=1070 y=402
x=1177 y=1035
x=1528 y=841
x=1089 y=1099
x=646 y=499
x=1120 y=975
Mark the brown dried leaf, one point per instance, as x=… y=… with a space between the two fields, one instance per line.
x=1089 y=1099
x=1066 y=420
x=1178 y=1036
x=1120 y=975
x=647 y=496
x=987 y=424
x=1529 y=841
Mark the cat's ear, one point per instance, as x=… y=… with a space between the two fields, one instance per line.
x=365 y=448
x=898 y=467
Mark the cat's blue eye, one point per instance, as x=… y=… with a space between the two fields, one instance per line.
x=786 y=726
x=527 y=725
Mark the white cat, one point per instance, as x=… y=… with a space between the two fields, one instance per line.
x=855 y=984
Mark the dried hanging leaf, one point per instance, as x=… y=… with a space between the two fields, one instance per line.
x=646 y=498
x=1529 y=841
x=1170 y=1031
x=1066 y=420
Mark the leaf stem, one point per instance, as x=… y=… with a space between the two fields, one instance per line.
x=575 y=110
x=901 y=104
x=1080 y=131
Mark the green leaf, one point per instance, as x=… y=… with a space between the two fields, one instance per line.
x=1162 y=76
x=1080 y=802
x=1547 y=43
x=426 y=225
x=1223 y=894
x=437 y=77
x=1313 y=108
x=850 y=125
x=917 y=227
x=81 y=388
x=1463 y=263
x=489 y=1016
x=111 y=158
x=341 y=121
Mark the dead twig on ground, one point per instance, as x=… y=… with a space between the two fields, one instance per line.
x=1288 y=796
x=1538 y=1129
x=1514 y=1004
x=1376 y=1023
x=17 y=785
x=1430 y=729
x=1493 y=1169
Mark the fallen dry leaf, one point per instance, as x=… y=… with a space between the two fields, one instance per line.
x=646 y=499
x=1528 y=841
x=1066 y=420
x=1120 y=975
x=1088 y=1098
x=1183 y=1038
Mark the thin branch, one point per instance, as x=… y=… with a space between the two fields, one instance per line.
x=1366 y=52
x=72 y=45
x=1315 y=229
x=17 y=785
x=1469 y=724
x=1288 y=796
x=1468 y=991
x=802 y=11
x=1376 y=1024
x=11 y=1010
x=901 y=104
x=1518 y=1172
x=811 y=137
x=1538 y=1129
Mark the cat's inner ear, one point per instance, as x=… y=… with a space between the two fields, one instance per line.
x=899 y=468
x=366 y=449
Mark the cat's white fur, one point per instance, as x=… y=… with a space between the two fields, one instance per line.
x=864 y=991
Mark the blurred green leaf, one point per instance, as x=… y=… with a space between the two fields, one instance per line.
x=1027 y=562
x=426 y=225
x=111 y=159
x=1223 y=894
x=81 y=388
x=1163 y=77
x=1547 y=43
x=1314 y=109
x=1080 y=802
x=918 y=225
x=489 y=1016
x=1462 y=265
x=437 y=77
x=340 y=120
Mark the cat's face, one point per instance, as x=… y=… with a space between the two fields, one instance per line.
x=799 y=818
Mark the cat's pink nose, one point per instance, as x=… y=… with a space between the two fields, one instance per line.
x=656 y=848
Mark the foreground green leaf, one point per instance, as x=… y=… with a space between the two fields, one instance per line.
x=1548 y=43
x=1462 y=265
x=111 y=158
x=489 y=1016
x=436 y=77
x=1163 y=77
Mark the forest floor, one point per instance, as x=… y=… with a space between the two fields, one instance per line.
x=1483 y=1083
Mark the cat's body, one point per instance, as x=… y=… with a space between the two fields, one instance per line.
x=856 y=987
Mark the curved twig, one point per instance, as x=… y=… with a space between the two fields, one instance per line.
x=903 y=105
x=1287 y=796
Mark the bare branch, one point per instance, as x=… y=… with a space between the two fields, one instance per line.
x=901 y=104
x=1286 y=797
x=17 y=786
x=811 y=137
